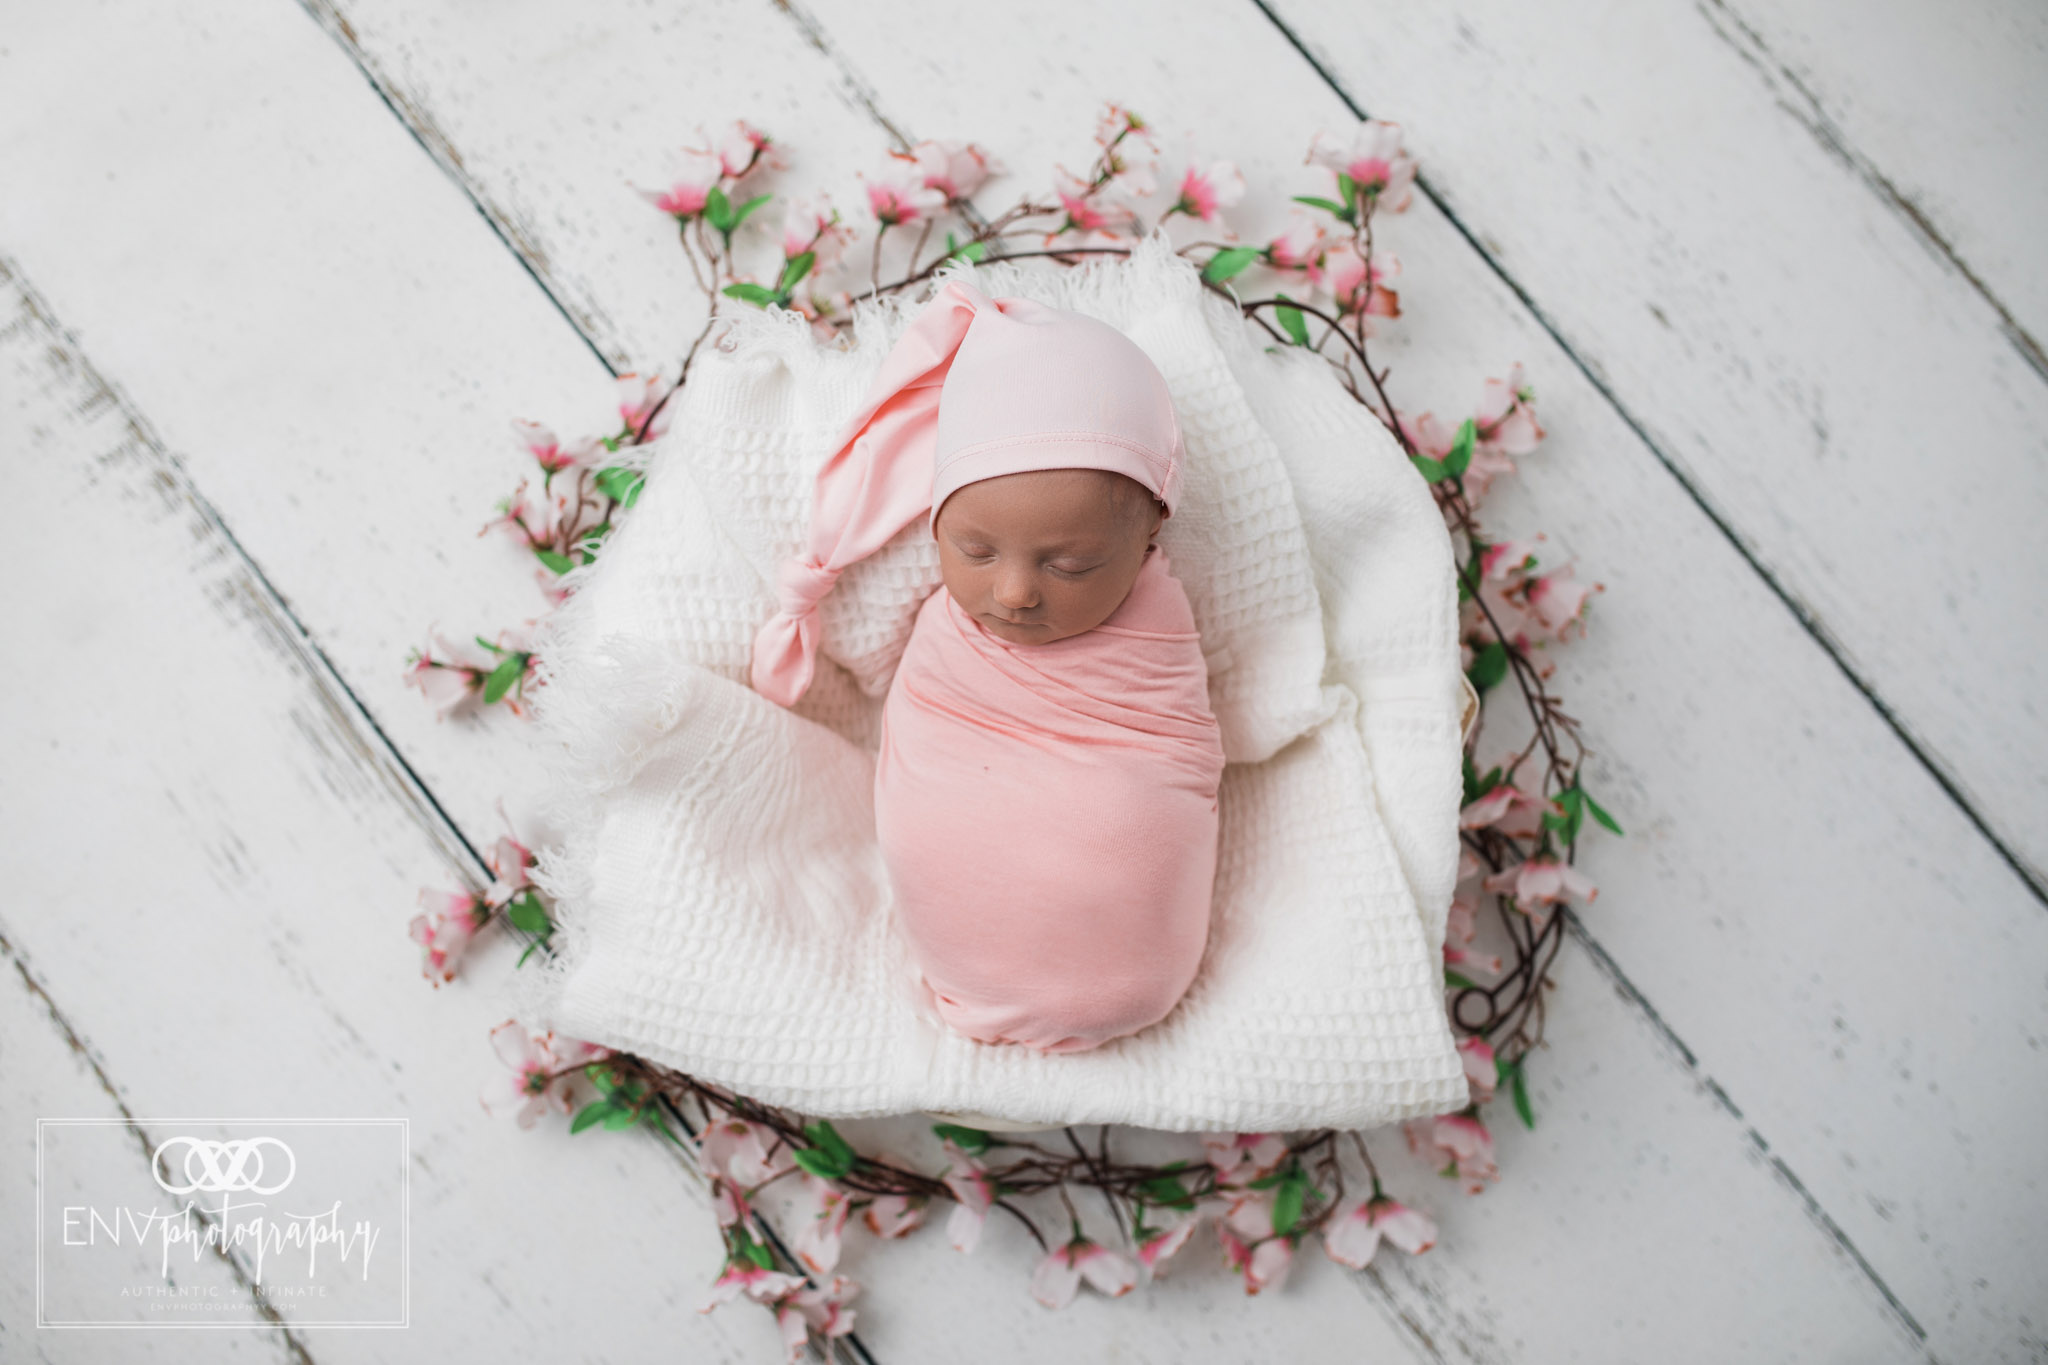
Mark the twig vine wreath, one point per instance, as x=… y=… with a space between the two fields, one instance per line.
x=1324 y=287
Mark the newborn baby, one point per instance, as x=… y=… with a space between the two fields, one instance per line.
x=1045 y=791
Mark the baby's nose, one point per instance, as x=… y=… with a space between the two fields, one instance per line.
x=1016 y=592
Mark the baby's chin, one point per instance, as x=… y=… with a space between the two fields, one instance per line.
x=1028 y=634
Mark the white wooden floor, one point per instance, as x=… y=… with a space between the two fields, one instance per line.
x=274 y=276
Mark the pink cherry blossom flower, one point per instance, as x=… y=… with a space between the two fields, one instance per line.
x=902 y=199
x=1371 y=154
x=1352 y=1236
x=975 y=1190
x=1240 y=1158
x=1300 y=246
x=1116 y=122
x=688 y=184
x=531 y=1089
x=639 y=396
x=1513 y=811
x=821 y=1309
x=1251 y=1247
x=1559 y=601
x=1487 y=964
x=1205 y=193
x=1461 y=1143
x=446 y=929
x=1506 y=415
x=955 y=169
x=746 y=1153
x=813 y=225
x=510 y=863
x=1508 y=560
x=446 y=678
x=889 y=1216
x=743 y=148
x=546 y=447
x=1345 y=274
x=1098 y=214
x=1059 y=1275
x=1538 y=882
x=728 y=1203
x=1480 y=1070
x=1159 y=1244
x=821 y=1210
x=742 y=1276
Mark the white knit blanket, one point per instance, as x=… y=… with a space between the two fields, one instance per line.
x=723 y=908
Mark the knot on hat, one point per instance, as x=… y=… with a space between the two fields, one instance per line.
x=800 y=584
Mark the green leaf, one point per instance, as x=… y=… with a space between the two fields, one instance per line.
x=973 y=251
x=1167 y=1192
x=526 y=915
x=559 y=563
x=602 y=1076
x=969 y=1140
x=821 y=1164
x=1432 y=470
x=620 y=484
x=758 y=1254
x=824 y=1135
x=1229 y=262
x=531 y=949
x=1519 y=1091
x=503 y=676
x=751 y=293
x=1314 y=202
x=1489 y=667
x=1571 y=802
x=740 y=214
x=495 y=649
x=793 y=273
x=1459 y=981
x=1602 y=816
x=1460 y=458
x=594 y=1112
x=718 y=209
x=1287 y=1204
x=1290 y=320
x=621 y=1119
x=1348 y=189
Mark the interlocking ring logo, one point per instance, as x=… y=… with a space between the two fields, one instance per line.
x=222 y=1167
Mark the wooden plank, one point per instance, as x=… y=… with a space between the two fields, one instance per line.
x=1936 y=109
x=1829 y=962
x=211 y=888
x=388 y=401
x=1670 y=1160
x=1832 y=388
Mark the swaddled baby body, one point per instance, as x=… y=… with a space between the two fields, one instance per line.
x=1045 y=793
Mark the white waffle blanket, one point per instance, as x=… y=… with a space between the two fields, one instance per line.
x=722 y=904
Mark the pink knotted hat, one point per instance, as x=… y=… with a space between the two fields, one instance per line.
x=976 y=388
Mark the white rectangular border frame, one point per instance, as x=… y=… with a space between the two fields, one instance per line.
x=404 y=1126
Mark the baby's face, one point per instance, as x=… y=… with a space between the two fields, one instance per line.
x=1039 y=556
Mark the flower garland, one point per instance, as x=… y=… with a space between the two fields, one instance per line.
x=1521 y=819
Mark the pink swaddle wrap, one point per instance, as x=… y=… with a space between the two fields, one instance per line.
x=1047 y=812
